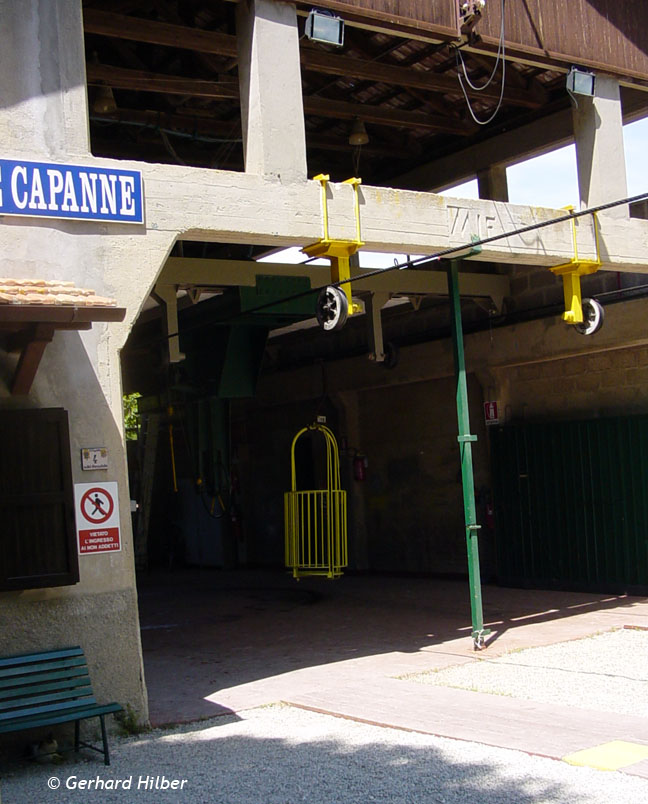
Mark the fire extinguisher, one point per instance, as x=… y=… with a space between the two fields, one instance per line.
x=360 y=465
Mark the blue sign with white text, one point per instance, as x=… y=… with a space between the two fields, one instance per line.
x=50 y=190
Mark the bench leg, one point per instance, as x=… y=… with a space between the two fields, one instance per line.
x=105 y=740
x=77 y=726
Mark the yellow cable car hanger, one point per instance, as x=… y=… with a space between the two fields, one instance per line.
x=335 y=303
x=586 y=315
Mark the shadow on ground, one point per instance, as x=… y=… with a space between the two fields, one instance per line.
x=283 y=758
x=205 y=631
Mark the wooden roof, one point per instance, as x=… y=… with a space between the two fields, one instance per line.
x=31 y=310
x=171 y=67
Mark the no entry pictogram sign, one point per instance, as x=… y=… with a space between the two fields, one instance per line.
x=97 y=505
x=97 y=516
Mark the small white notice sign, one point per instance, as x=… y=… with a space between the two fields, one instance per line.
x=94 y=458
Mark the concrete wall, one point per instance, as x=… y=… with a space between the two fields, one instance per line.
x=408 y=516
x=100 y=612
x=44 y=117
x=413 y=495
x=606 y=384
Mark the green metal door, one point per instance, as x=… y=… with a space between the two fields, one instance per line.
x=571 y=503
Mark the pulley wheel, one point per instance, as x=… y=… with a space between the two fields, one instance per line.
x=332 y=308
x=593 y=317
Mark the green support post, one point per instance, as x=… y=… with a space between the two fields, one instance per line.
x=465 y=445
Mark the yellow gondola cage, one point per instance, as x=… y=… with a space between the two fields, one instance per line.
x=315 y=521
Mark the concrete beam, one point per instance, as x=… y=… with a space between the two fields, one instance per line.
x=42 y=79
x=221 y=206
x=600 y=156
x=534 y=342
x=375 y=303
x=272 y=110
x=507 y=148
x=492 y=183
x=168 y=296
x=219 y=273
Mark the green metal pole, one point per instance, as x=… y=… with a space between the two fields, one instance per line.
x=465 y=445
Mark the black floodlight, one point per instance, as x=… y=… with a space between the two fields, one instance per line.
x=581 y=82
x=326 y=28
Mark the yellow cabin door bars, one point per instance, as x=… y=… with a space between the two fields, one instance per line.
x=315 y=521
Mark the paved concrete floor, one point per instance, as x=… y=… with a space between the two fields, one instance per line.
x=217 y=642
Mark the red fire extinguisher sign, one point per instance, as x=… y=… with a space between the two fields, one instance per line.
x=491 y=413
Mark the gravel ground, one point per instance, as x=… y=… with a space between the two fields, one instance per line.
x=606 y=673
x=283 y=755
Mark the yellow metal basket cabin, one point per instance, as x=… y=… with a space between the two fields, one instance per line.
x=316 y=521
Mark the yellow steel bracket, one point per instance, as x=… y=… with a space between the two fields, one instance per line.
x=571 y=273
x=338 y=251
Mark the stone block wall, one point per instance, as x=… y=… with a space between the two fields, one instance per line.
x=605 y=384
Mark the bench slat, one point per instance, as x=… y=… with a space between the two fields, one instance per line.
x=27 y=658
x=57 y=678
x=30 y=669
x=55 y=707
x=31 y=702
x=49 y=720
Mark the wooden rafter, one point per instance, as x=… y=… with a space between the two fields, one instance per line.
x=142 y=81
x=32 y=352
x=119 y=26
x=432 y=102
x=166 y=34
x=30 y=328
x=405 y=77
x=333 y=144
x=100 y=74
x=342 y=110
x=187 y=123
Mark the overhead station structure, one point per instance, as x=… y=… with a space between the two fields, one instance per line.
x=205 y=139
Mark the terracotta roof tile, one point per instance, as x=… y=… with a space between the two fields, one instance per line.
x=49 y=292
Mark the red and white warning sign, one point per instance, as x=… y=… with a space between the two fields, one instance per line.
x=96 y=507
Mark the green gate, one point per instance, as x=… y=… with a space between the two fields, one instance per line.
x=571 y=504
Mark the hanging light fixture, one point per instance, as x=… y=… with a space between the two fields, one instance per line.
x=358 y=134
x=104 y=101
x=324 y=26
x=581 y=82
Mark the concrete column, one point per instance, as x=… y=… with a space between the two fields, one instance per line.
x=356 y=523
x=492 y=183
x=42 y=79
x=272 y=109
x=598 y=132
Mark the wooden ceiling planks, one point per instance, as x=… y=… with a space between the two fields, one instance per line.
x=603 y=34
x=174 y=72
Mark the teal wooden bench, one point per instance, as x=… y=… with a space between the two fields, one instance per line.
x=43 y=689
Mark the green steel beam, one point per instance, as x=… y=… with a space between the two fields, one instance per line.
x=465 y=440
